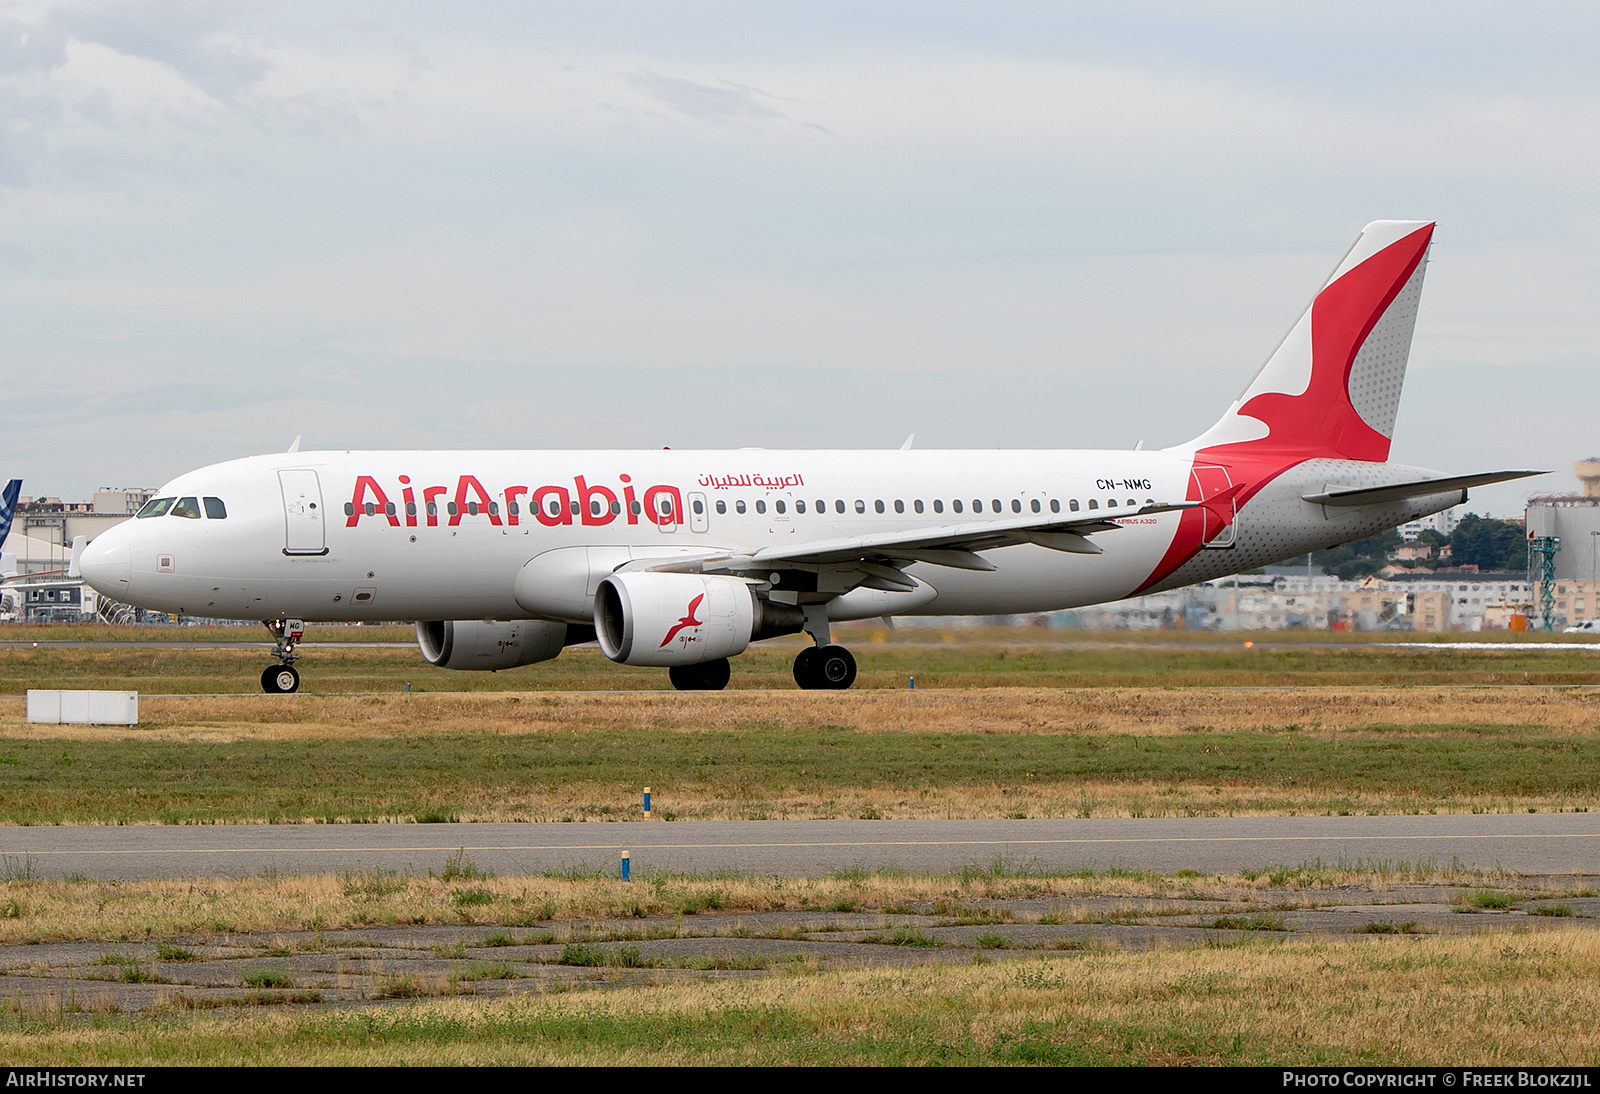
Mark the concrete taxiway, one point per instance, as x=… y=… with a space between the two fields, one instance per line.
x=1522 y=843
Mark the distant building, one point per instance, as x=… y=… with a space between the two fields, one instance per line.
x=1441 y=523
x=121 y=501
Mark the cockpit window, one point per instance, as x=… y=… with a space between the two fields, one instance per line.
x=215 y=510
x=155 y=507
x=187 y=507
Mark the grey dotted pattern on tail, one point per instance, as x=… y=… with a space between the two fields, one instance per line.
x=1379 y=370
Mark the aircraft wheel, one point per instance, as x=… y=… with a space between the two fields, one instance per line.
x=707 y=676
x=835 y=668
x=805 y=669
x=280 y=679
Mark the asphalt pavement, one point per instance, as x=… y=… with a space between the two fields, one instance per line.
x=1545 y=843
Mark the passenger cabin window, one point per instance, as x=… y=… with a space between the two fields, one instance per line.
x=994 y=506
x=511 y=507
x=738 y=506
x=899 y=506
x=156 y=507
x=938 y=505
x=1133 y=501
x=634 y=507
x=452 y=510
x=917 y=505
x=778 y=505
x=956 y=505
x=800 y=507
x=215 y=510
x=1073 y=505
x=761 y=506
x=977 y=505
x=1016 y=506
x=1093 y=504
x=699 y=507
x=555 y=508
x=838 y=505
x=187 y=507
x=722 y=507
x=1055 y=505
x=1034 y=505
x=616 y=508
x=861 y=506
x=877 y=506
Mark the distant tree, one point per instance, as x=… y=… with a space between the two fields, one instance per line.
x=1489 y=544
x=1359 y=558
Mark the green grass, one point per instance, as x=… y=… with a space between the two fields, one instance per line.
x=1489 y=900
x=132 y=781
x=990 y=658
x=268 y=978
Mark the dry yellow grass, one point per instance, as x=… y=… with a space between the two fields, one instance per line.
x=1084 y=711
x=55 y=910
x=1493 y=999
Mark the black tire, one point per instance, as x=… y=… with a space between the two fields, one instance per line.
x=835 y=668
x=805 y=669
x=280 y=680
x=707 y=676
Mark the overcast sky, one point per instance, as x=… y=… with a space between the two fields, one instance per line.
x=810 y=225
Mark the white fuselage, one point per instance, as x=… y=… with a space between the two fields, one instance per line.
x=458 y=535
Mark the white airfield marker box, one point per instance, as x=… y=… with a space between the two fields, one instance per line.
x=100 y=708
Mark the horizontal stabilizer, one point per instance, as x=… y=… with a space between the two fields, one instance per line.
x=1341 y=496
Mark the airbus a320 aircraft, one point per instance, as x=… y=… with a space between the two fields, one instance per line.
x=681 y=559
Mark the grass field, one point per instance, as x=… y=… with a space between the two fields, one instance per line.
x=1002 y=723
x=996 y=657
x=260 y=971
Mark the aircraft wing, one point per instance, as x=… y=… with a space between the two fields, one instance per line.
x=954 y=545
x=1341 y=496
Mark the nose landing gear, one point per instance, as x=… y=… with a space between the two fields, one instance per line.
x=282 y=678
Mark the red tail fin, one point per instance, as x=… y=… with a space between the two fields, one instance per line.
x=1332 y=388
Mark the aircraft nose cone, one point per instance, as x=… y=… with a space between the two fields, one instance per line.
x=107 y=564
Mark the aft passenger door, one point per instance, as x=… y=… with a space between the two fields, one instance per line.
x=302 y=513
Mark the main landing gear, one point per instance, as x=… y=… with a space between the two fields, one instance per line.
x=819 y=667
x=282 y=678
x=823 y=666
x=706 y=676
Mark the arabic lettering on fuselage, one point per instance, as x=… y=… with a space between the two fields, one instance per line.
x=759 y=482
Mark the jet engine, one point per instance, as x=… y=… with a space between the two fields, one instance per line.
x=487 y=645
x=667 y=619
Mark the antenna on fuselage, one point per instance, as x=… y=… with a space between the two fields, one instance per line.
x=294 y=445
x=907 y=446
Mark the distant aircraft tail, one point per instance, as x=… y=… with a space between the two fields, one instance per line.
x=8 y=507
x=1332 y=387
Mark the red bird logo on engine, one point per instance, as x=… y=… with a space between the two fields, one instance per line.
x=688 y=620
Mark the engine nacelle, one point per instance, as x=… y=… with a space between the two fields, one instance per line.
x=486 y=645
x=673 y=619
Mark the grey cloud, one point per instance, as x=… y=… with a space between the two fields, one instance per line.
x=182 y=35
x=724 y=103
